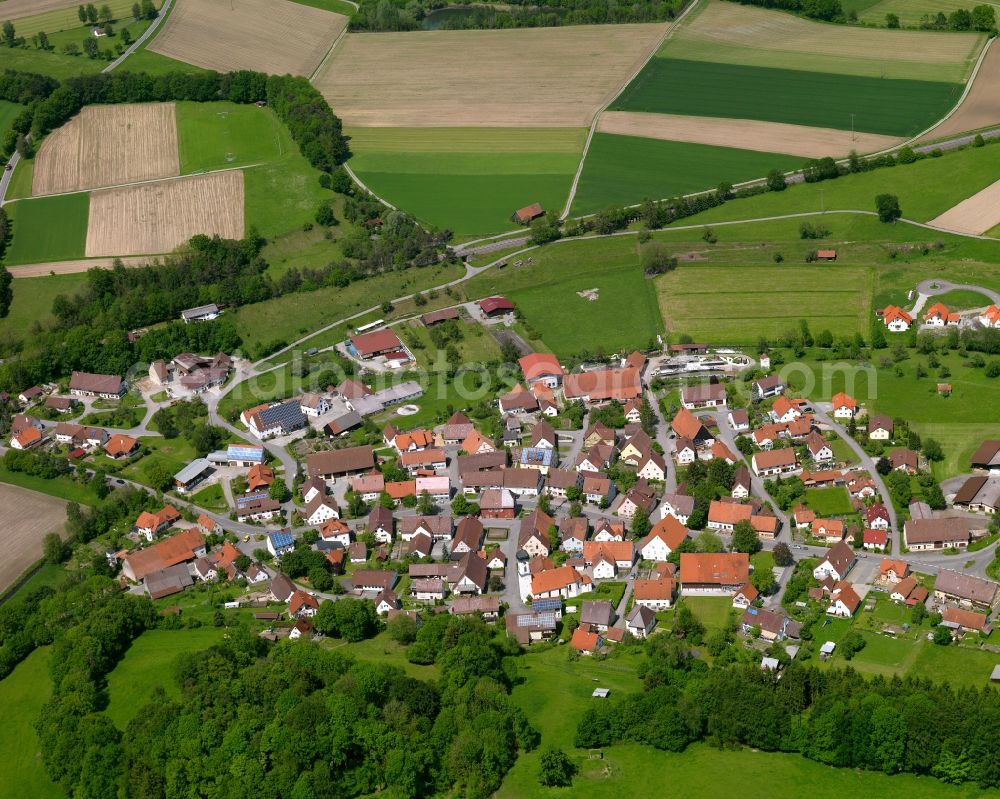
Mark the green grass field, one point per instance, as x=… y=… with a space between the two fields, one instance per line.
x=66 y=18
x=148 y=664
x=33 y=298
x=337 y=6
x=925 y=189
x=961 y=300
x=476 y=346
x=624 y=170
x=7 y=113
x=382 y=649
x=61 y=487
x=22 y=695
x=144 y=60
x=555 y=692
x=294 y=315
x=37 y=238
x=712 y=611
x=701 y=88
x=547 y=294
x=223 y=135
x=829 y=501
x=468 y=180
x=211 y=497
x=738 y=304
x=283 y=195
x=171 y=453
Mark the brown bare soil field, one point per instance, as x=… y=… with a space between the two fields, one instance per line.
x=71 y=267
x=745 y=134
x=15 y=9
x=981 y=106
x=159 y=217
x=552 y=77
x=975 y=214
x=273 y=36
x=26 y=518
x=107 y=145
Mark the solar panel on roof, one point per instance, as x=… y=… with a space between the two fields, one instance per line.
x=249 y=498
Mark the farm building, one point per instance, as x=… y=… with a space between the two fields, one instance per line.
x=529 y=213
x=203 y=313
x=378 y=342
x=495 y=306
x=85 y=384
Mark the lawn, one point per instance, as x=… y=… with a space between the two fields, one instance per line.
x=469 y=180
x=212 y=498
x=961 y=300
x=712 y=611
x=925 y=189
x=22 y=695
x=382 y=649
x=292 y=316
x=172 y=454
x=829 y=501
x=61 y=487
x=820 y=99
x=624 y=170
x=738 y=304
x=37 y=238
x=148 y=664
x=221 y=135
x=546 y=292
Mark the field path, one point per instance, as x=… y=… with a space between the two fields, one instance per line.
x=72 y=267
x=145 y=37
x=611 y=98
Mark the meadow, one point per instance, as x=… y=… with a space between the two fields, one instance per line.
x=624 y=170
x=925 y=189
x=61 y=19
x=470 y=180
x=223 y=135
x=555 y=692
x=33 y=298
x=546 y=292
x=148 y=665
x=911 y=12
x=22 y=695
x=820 y=99
x=36 y=239
x=7 y=113
x=476 y=345
x=738 y=304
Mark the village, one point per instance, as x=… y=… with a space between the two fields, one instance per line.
x=582 y=508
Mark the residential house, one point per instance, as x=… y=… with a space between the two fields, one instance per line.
x=607 y=557
x=654 y=594
x=877 y=516
x=386 y=601
x=844 y=406
x=875 y=540
x=771 y=625
x=320 y=510
x=518 y=400
x=680 y=506
x=534 y=533
x=745 y=596
x=599 y=433
x=880 y=427
x=844 y=600
x=281 y=542
x=724 y=516
x=785 y=411
x=895 y=319
x=739 y=420
x=608 y=530
x=559 y=481
x=741 y=483
x=837 y=562
x=964 y=589
x=497 y=503
x=585 y=642
x=381 y=524
x=151 y=524
x=652 y=467
x=468 y=536
x=828 y=530
x=990 y=317
x=819 y=449
x=603 y=385
x=686 y=425
x=640 y=621
x=597 y=488
x=666 y=535
x=905 y=460
x=564 y=582
x=893 y=570
x=314 y=404
x=706 y=395
x=766 y=387
x=541 y=367
x=938 y=315
x=598 y=614
x=302 y=605
x=640 y=497
x=774 y=462
x=573 y=533
x=86 y=384
x=423 y=460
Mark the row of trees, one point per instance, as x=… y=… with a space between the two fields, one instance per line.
x=405 y=15
x=838 y=718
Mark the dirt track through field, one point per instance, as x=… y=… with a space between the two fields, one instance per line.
x=71 y=267
x=975 y=214
x=159 y=217
x=106 y=145
x=273 y=36
x=981 y=106
x=26 y=517
x=745 y=134
x=551 y=77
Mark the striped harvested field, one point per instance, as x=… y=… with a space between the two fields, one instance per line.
x=469 y=78
x=161 y=216
x=738 y=304
x=274 y=36
x=748 y=134
x=108 y=145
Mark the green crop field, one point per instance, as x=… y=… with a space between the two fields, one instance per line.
x=826 y=100
x=624 y=170
x=22 y=695
x=222 y=135
x=547 y=294
x=48 y=228
x=468 y=180
x=829 y=501
x=925 y=189
x=738 y=304
x=555 y=692
x=148 y=664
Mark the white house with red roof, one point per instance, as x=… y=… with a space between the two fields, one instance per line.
x=896 y=319
x=844 y=406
